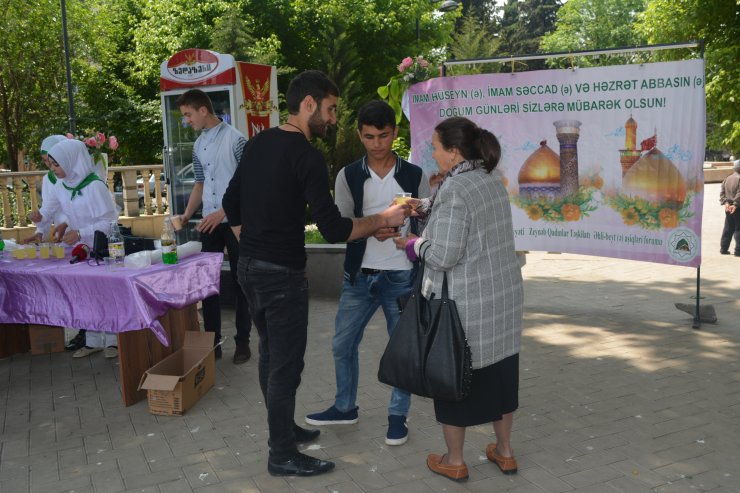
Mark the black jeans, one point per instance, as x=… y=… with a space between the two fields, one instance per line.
x=732 y=228
x=222 y=237
x=278 y=301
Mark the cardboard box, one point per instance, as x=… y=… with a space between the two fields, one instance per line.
x=46 y=339
x=176 y=383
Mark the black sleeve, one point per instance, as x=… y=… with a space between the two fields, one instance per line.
x=315 y=178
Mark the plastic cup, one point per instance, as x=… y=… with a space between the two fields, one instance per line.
x=44 y=251
x=31 y=251
x=402 y=198
x=110 y=263
x=58 y=250
x=19 y=254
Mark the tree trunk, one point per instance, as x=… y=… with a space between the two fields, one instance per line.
x=11 y=144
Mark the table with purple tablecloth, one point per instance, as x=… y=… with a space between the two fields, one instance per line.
x=123 y=301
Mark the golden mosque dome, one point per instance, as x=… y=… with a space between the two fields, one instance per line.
x=542 y=166
x=656 y=179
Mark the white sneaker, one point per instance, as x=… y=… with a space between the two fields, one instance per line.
x=110 y=352
x=86 y=351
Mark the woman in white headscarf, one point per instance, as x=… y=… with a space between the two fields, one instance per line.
x=49 y=212
x=84 y=198
x=89 y=207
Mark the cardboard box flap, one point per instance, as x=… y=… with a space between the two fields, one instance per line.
x=158 y=382
x=199 y=339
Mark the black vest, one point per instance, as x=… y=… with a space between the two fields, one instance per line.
x=407 y=175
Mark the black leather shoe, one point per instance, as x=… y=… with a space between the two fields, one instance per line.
x=242 y=353
x=299 y=465
x=77 y=342
x=724 y=252
x=302 y=435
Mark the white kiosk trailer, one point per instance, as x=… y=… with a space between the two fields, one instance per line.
x=244 y=95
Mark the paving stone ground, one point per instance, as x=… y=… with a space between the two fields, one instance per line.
x=618 y=394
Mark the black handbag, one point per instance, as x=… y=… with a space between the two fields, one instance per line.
x=428 y=354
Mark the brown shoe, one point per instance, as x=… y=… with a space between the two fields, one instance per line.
x=507 y=465
x=455 y=473
x=242 y=353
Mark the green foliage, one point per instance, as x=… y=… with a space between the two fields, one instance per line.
x=341 y=62
x=231 y=34
x=485 y=10
x=392 y=93
x=32 y=78
x=523 y=26
x=166 y=27
x=382 y=32
x=472 y=41
x=342 y=145
x=401 y=146
x=312 y=235
x=717 y=22
x=118 y=46
x=586 y=25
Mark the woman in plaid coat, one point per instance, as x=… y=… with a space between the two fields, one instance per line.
x=469 y=235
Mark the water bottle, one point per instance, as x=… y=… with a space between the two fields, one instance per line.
x=115 y=244
x=169 y=245
x=2 y=246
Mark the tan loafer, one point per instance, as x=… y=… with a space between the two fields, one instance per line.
x=507 y=465
x=455 y=473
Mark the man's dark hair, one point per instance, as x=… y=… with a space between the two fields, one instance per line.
x=196 y=99
x=377 y=113
x=309 y=83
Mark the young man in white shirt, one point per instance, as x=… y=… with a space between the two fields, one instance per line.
x=376 y=274
x=216 y=154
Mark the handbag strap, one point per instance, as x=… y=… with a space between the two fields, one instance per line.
x=420 y=277
x=445 y=296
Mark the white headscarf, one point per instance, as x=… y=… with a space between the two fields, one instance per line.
x=50 y=142
x=72 y=156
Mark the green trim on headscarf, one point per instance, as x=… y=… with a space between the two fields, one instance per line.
x=52 y=177
x=78 y=189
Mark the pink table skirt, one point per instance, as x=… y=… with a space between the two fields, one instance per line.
x=87 y=296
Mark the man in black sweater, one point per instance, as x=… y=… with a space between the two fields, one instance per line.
x=279 y=174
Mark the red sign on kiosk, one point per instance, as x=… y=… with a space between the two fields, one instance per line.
x=195 y=67
x=243 y=95
x=257 y=101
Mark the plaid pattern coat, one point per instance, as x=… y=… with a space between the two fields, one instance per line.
x=470 y=236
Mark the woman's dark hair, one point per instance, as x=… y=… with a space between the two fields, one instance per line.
x=312 y=83
x=472 y=141
x=196 y=99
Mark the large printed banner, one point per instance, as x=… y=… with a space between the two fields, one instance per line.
x=598 y=161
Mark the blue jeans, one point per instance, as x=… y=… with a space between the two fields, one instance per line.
x=357 y=305
x=278 y=301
